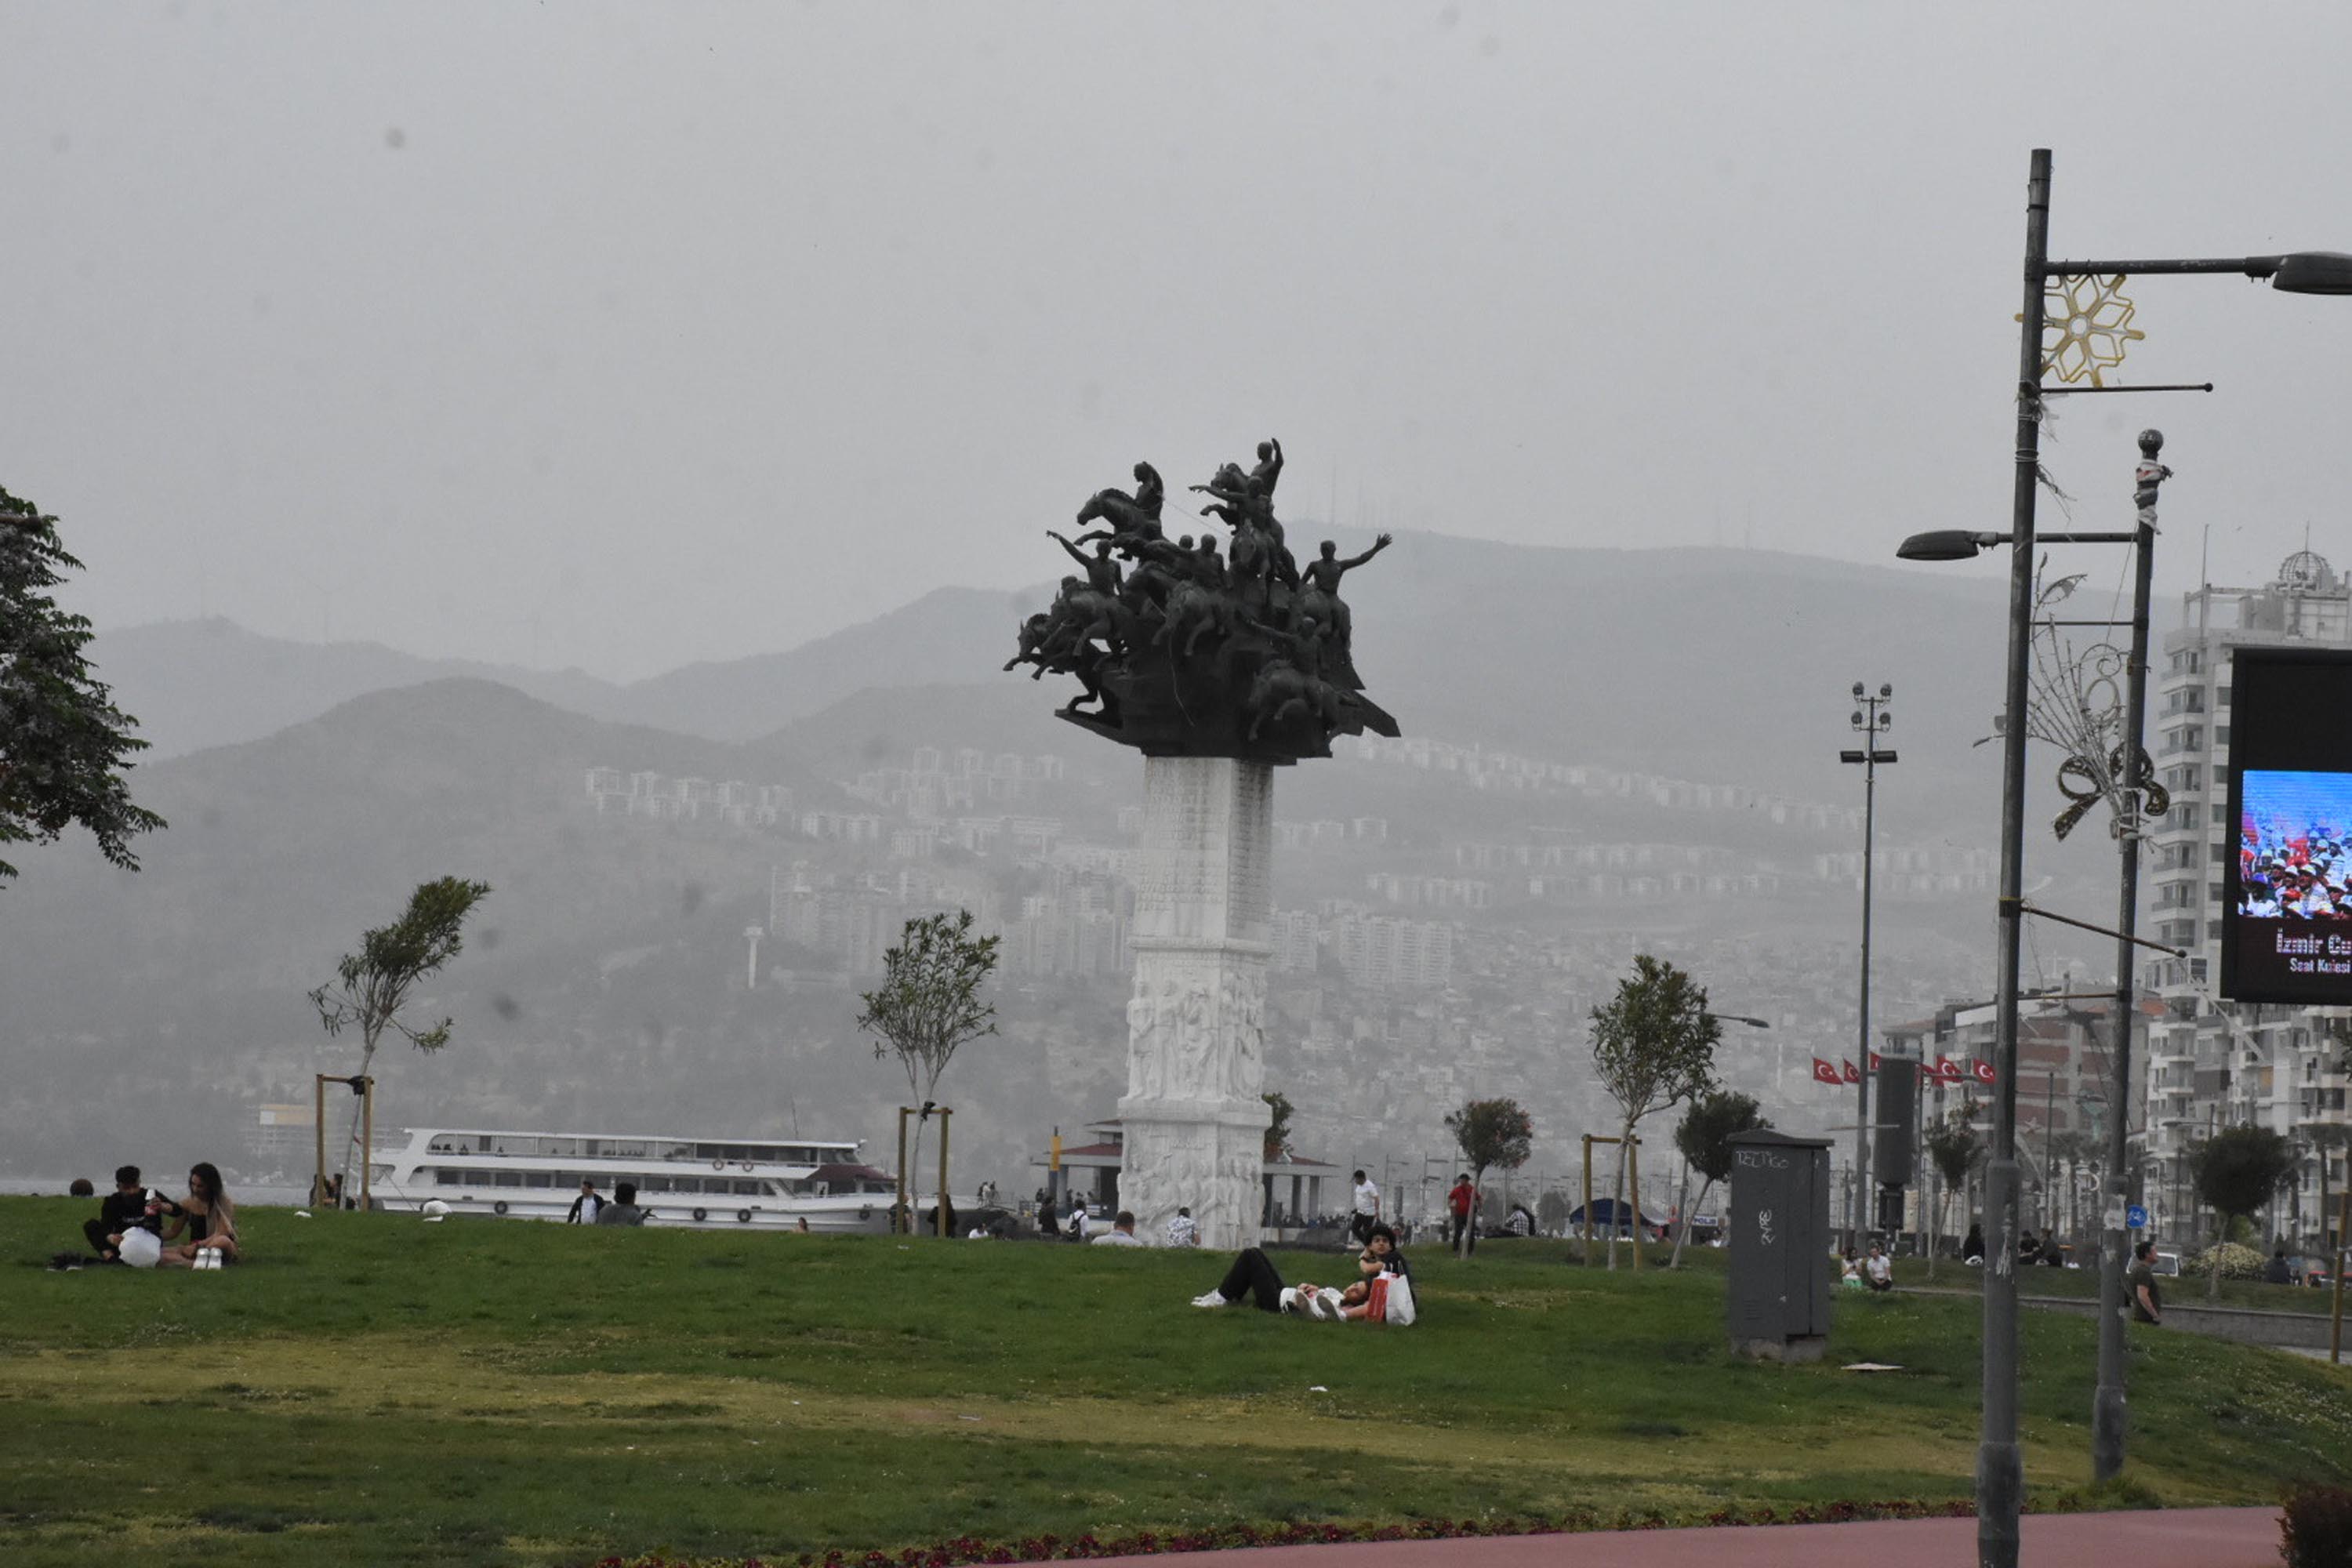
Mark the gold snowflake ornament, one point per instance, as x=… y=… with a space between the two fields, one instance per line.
x=2086 y=322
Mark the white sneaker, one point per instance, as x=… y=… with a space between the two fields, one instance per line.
x=1214 y=1299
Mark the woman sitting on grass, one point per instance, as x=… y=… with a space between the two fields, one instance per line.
x=206 y=1215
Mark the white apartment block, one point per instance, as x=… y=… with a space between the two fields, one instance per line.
x=2212 y=1063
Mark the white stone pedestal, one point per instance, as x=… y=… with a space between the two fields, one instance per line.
x=1193 y=1120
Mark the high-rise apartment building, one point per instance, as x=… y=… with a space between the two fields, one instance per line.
x=2211 y=1063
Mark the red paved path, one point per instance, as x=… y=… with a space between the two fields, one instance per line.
x=2155 y=1538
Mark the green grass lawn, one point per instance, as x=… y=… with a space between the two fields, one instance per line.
x=2189 y=1291
x=370 y=1388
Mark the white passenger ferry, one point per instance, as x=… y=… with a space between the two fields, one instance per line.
x=764 y=1183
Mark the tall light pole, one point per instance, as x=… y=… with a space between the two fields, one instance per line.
x=1872 y=719
x=2001 y=1475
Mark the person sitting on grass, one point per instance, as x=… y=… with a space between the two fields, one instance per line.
x=1380 y=1255
x=1121 y=1233
x=125 y=1209
x=623 y=1209
x=1878 y=1270
x=205 y=1215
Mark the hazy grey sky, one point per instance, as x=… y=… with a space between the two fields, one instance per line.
x=625 y=335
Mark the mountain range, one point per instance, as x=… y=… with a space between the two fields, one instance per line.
x=308 y=787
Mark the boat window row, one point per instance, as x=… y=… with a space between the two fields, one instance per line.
x=717 y=1186
x=544 y=1147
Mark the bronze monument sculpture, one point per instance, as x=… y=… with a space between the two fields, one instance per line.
x=1184 y=650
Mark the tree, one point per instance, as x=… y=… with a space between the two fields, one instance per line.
x=1277 y=1127
x=928 y=1004
x=374 y=984
x=1956 y=1150
x=2237 y=1171
x=64 y=746
x=1490 y=1133
x=1704 y=1139
x=2326 y=1140
x=1552 y=1210
x=1652 y=1048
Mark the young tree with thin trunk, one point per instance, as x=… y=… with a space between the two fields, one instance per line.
x=928 y=1004
x=372 y=985
x=1652 y=1049
x=1490 y=1133
x=1704 y=1138
x=64 y=746
x=2237 y=1171
x=1955 y=1149
x=2326 y=1139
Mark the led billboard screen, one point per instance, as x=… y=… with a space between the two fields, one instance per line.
x=2287 y=907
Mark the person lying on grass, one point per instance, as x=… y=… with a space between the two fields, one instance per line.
x=205 y=1215
x=1252 y=1275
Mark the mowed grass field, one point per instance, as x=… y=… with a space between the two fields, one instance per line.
x=373 y=1389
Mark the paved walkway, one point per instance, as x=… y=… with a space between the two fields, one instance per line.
x=2155 y=1538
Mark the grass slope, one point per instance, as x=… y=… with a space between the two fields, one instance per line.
x=372 y=1389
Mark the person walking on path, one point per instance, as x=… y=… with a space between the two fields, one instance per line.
x=1368 y=1208
x=2147 y=1300
x=1462 y=1204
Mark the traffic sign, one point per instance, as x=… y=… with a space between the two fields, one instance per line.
x=2136 y=1217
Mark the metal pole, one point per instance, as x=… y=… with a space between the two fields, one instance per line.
x=2000 y=1470
x=1862 y=1045
x=2107 y=1420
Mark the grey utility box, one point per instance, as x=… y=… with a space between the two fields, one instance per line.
x=1779 y=1295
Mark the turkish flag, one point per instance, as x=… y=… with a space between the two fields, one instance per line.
x=1852 y=1073
x=1823 y=1072
x=1982 y=1069
x=1874 y=1061
x=1948 y=1070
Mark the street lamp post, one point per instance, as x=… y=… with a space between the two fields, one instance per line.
x=2000 y=1478
x=1872 y=719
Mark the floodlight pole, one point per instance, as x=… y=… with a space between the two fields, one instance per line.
x=1872 y=719
x=2108 y=1415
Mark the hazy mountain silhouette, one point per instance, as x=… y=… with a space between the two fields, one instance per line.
x=193 y=684
x=1708 y=664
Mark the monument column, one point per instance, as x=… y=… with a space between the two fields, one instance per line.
x=1194 y=1119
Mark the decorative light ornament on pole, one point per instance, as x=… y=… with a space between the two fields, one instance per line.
x=1872 y=719
x=2000 y=1478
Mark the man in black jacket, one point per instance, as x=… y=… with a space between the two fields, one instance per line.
x=125 y=1209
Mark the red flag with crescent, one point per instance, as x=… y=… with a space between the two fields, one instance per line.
x=1852 y=1073
x=1874 y=1061
x=1982 y=1069
x=1947 y=1070
x=1823 y=1072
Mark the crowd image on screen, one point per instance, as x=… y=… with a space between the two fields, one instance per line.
x=2294 y=847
